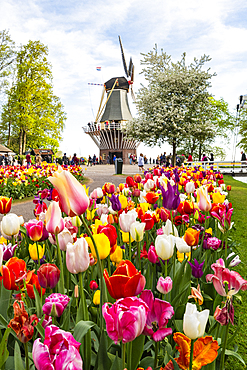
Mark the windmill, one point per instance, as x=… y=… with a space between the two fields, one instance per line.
x=113 y=114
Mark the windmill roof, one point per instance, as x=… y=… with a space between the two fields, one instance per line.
x=121 y=84
x=117 y=107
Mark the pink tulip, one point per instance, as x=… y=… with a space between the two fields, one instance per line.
x=222 y=276
x=34 y=229
x=72 y=194
x=152 y=255
x=125 y=319
x=64 y=238
x=55 y=304
x=77 y=256
x=159 y=314
x=60 y=351
x=164 y=285
x=53 y=217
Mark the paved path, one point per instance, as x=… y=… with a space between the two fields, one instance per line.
x=98 y=175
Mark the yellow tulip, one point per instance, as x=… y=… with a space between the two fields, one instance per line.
x=96 y=225
x=144 y=207
x=123 y=200
x=33 y=251
x=180 y=256
x=218 y=197
x=117 y=256
x=125 y=237
x=102 y=243
x=96 y=298
x=90 y=214
x=209 y=231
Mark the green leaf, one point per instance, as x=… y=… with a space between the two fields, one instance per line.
x=81 y=329
x=38 y=302
x=147 y=361
x=3 y=321
x=103 y=362
x=137 y=350
x=40 y=329
x=116 y=365
x=17 y=358
x=4 y=301
x=3 y=347
x=232 y=353
x=175 y=365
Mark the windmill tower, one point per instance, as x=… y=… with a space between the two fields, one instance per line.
x=112 y=116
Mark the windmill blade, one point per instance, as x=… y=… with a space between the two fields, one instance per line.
x=132 y=93
x=123 y=57
x=132 y=73
x=131 y=65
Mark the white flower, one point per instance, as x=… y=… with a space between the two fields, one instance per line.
x=137 y=230
x=194 y=322
x=168 y=229
x=164 y=246
x=182 y=246
x=10 y=224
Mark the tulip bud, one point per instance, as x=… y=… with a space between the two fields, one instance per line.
x=54 y=221
x=96 y=298
x=76 y=291
x=55 y=304
x=10 y=224
x=93 y=285
x=164 y=286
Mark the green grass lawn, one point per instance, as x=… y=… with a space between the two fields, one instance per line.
x=238 y=197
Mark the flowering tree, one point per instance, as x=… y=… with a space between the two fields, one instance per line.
x=175 y=103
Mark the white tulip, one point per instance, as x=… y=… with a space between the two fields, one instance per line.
x=164 y=246
x=103 y=218
x=149 y=185
x=194 y=322
x=10 y=224
x=190 y=187
x=168 y=229
x=126 y=220
x=182 y=246
x=137 y=230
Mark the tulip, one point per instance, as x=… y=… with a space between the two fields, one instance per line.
x=203 y=199
x=191 y=236
x=10 y=225
x=93 y=285
x=169 y=229
x=136 y=193
x=218 y=197
x=8 y=251
x=13 y=273
x=126 y=281
x=158 y=315
x=5 y=205
x=194 y=322
x=115 y=202
x=151 y=197
x=196 y=268
x=77 y=256
x=72 y=194
x=170 y=196
x=53 y=217
x=117 y=256
x=164 y=246
x=196 y=294
x=125 y=319
x=21 y=323
x=164 y=286
x=64 y=238
x=152 y=255
x=109 y=188
x=182 y=246
x=96 y=298
x=55 y=304
x=102 y=243
x=137 y=230
x=225 y=314
x=33 y=251
x=148 y=220
x=213 y=243
x=102 y=209
x=48 y=275
x=31 y=281
x=190 y=187
x=126 y=220
x=60 y=351
x=110 y=232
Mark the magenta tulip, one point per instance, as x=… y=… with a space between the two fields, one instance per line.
x=125 y=319
x=159 y=314
x=55 y=304
x=60 y=351
x=53 y=217
x=72 y=194
x=164 y=285
x=34 y=229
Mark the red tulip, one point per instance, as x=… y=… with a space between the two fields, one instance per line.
x=32 y=280
x=110 y=232
x=126 y=281
x=13 y=272
x=130 y=181
x=48 y=275
x=148 y=220
x=5 y=205
x=151 y=197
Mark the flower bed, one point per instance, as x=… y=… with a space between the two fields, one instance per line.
x=19 y=182
x=139 y=276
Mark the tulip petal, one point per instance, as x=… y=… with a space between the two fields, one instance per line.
x=135 y=285
x=68 y=359
x=118 y=283
x=161 y=334
x=41 y=356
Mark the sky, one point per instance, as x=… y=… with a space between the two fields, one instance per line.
x=82 y=35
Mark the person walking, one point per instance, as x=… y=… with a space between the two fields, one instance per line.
x=28 y=159
x=243 y=159
x=211 y=158
x=190 y=158
x=141 y=162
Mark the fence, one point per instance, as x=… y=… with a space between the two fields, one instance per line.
x=222 y=166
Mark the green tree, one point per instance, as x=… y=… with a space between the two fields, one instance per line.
x=33 y=116
x=174 y=102
x=7 y=57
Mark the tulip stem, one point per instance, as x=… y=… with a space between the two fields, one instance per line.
x=103 y=295
x=222 y=360
x=156 y=354
x=26 y=355
x=123 y=354
x=139 y=255
x=61 y=280
x=129 y=246
x=37 y=247
x=225 y=248
x=191 y=353
x=166 y=268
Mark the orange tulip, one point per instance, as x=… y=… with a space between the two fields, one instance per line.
x=14 y=272
x=205 y=352
x=151 y=197
x=191 y=236
x=5 y=205
x=196 y=294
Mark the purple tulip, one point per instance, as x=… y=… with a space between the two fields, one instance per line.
x=171 y=198
x=115 y=203
x=8 y=251
x=125 y=319
x=159 y=314
x=60 y=351
x=196 y=268
x=55 y=304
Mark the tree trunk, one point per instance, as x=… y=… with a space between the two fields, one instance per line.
x=200 y=151
x=24 y=141
x=20 y=141
x=174 y=147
